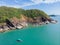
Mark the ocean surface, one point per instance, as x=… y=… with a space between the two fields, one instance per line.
x=48 y=34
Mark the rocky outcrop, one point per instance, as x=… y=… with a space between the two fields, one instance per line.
x=9 y=23
x=4 y=28
x=52 y=21
x=15 y=23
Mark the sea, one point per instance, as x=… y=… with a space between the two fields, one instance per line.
x=47 y=34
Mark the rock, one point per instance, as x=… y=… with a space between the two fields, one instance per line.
x=54 y=21
x=8 y=22
x=1 y=30
x=19 y=27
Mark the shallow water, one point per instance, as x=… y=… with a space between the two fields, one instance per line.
x=33 y=35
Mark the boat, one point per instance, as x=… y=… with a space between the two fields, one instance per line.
x=19 y=40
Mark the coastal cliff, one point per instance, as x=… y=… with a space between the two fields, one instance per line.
x=12 y=18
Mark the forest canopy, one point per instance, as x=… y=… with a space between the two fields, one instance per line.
x=10 y=12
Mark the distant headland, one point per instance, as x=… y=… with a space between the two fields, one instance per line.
x=13 y=18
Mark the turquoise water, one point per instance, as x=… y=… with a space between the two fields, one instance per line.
x=33 y=35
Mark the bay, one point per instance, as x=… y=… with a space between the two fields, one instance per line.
x=33 y=35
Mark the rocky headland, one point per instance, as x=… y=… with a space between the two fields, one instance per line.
x=9 y=20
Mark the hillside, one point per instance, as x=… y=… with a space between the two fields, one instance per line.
x=9 y=12
x=14 y=18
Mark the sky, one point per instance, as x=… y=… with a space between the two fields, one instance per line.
x=49 y=6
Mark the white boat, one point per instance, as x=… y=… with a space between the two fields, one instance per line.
x=19 y=40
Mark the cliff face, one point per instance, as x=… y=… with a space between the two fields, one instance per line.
x=15 y=23
x=27 y=19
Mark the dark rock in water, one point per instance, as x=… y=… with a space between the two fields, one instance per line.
x=46 y=23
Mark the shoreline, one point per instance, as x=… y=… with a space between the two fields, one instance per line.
x=20 y=25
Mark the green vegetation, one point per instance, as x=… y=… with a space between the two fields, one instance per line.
x=9 y=12
x=35 y=13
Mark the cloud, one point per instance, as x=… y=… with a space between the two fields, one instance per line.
x=44 y=1
x=21 y=3
x=35 y=2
